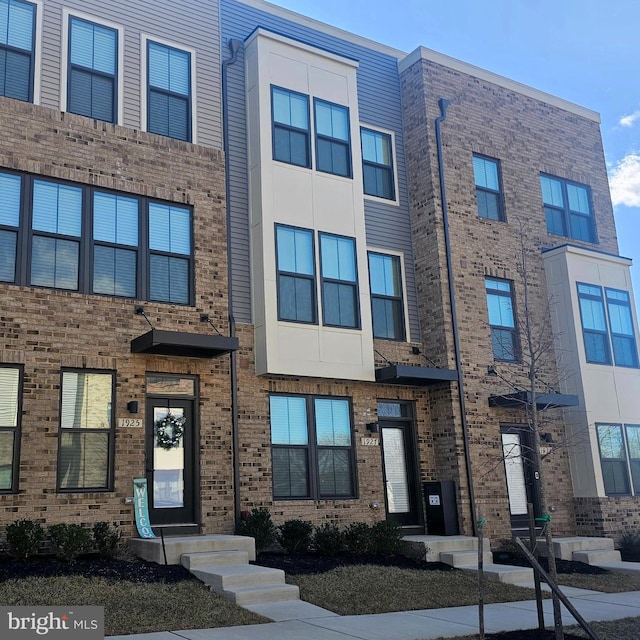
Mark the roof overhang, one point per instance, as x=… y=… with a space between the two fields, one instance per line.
x=543 y=400
x=413 y=375
x=181 y=343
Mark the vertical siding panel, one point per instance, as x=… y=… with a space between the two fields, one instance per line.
x=379 y=104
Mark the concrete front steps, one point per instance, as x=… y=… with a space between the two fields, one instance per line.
x=595 y=551
x=461 y=552
x=222 y=563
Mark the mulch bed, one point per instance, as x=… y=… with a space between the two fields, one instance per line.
x=90 y=566
x=562 y=566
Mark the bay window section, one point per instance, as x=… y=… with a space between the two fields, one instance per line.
x=339 y=281
x=85 y=448
x=296 y=274
x=10 y=412
x=290 y=116
x=625 y=353
x=594 y=324
x=633 y=440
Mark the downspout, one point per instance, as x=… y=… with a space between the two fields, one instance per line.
x=443 y=103
x=234 y=46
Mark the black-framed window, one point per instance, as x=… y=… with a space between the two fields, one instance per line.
x=486 y=172
x=387 y=307
x=377 y=164
x=632 y=432
x=87 y=428
x=312 y=447
x=168 y=91
x=594 y=324
x=291 y=137
x=333 y=142
x=339 y=281
x=93 y=70
x=17 y=48
x=567 y=208
x=623 y=340
x=296 y=274
x=619 y=447
x=10 y=417
x=502 y=319
x=68 y=236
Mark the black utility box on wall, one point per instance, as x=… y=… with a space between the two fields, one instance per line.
x=441 y=509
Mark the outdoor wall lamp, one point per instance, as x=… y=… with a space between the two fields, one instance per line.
x=132 y=406
x=372 y=427
x=546 y=437
x=491 y=371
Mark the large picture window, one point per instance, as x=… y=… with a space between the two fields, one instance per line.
x=10 y=412
x=85 y=239
x=567 y=208
x=169 y=91
x=85 y=450
x=311 y=446
x=296 y=274
x=93 y=70
x=290 y=113
x=17 y=35
x=339 y=281
x=502 y=320
x=386 y=296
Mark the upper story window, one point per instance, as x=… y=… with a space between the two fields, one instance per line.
x=377 y=164
x=567 y=207
x=339 y=281
x=10 y=413
x=291 y=138
x=604 y=328
x=296 y=274
x=333 y=145
x=84 y=239
x=168 y=91
x=311 y=447
x=386 y=296
x=93 y=70
x=502 y=319
x=17 y=36
x=488 y=189
x=85 y=445
x=620 y=458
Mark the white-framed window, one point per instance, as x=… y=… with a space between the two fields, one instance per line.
x=379 y=167
x=168 y=81
x=92 y=62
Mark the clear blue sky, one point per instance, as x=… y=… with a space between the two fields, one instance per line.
x=585 y=51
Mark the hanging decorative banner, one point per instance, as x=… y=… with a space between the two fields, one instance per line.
x=141 y=506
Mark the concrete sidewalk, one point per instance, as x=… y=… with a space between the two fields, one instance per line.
x=312 y=623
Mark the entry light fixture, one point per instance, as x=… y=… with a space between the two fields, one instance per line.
x=491 y=371
x=372 y=427
x=546 y=437
x=132 y=406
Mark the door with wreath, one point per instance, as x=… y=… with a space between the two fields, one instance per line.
x=170 y=461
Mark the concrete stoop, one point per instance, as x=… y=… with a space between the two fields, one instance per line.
x=595 y=551
x=222 y=563
x=461 y=552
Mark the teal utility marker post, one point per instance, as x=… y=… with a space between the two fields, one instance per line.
x=141 y=505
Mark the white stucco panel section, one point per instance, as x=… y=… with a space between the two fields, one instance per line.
x=286 y=194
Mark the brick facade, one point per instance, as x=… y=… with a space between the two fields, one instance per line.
x=528 y=137
x=46 y=330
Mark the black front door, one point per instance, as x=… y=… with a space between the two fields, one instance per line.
x=170 y=458
x=522 y=478
x=399 y=465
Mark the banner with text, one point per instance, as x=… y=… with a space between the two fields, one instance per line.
x=141 y=505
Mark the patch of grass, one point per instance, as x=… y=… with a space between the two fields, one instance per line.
x=131 y=607
x=362 y=589
x=624 y=629
x=612 y=582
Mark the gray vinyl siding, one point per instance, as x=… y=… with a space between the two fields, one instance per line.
x=379 y=105
x=189 y=23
